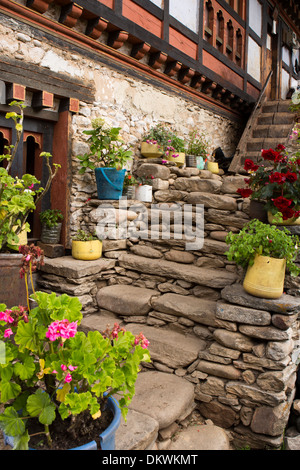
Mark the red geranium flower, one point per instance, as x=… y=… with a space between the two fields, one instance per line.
x=270 y=154
x=280 y=147
x=250 y=165
x=245 y=192
x=287 y=213
x=282 y=203
x=291 y=176
x=277 y=177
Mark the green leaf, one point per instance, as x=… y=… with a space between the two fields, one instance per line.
x=9 y=391
x=11 y=422
x=25 y=336
x=21 y=442
x=40 y=405
x=25 y=370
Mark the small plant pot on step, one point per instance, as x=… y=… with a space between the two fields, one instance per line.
x=150 y=150
x=86 y=250
x=144 y=193
x=51 y=235
x=265 y=278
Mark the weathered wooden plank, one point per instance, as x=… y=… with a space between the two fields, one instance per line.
x=37 y=78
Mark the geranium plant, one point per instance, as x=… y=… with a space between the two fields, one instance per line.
x=129 y=180
x=53 y=374
x=83 y=236
x=166 y=139
x=51 y=217
x=106 y=147
x=257 y=238
x=19 y=196
x=197 y=144
x=275 y=180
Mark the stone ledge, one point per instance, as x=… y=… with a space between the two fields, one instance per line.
x=217 y=278
x=69 y=267
x=286 y=304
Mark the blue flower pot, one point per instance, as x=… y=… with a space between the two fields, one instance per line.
x=110 y=182
x=107 y=437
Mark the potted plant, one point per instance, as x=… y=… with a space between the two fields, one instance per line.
x=51 y=225
x=154 y=142
x=169 y=145
x=108 y=154
x=60 y=387
x=129 y=186
x=19 y=196
x=266 y=252
x=197 y=148
x=143 y=191
x=86 y=246
x=275 y=181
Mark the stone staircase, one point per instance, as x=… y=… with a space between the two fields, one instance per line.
x=270 y=124
x=162 y=414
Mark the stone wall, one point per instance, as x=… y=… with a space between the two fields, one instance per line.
x=238 y=351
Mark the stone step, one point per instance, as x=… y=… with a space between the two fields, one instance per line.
x=276 y=118
x=215 y=278
x=276 y=106
x=272 y=131
x=161 y=403
x=170 y=348
x=258 y=143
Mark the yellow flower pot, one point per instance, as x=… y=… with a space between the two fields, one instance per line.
x=213 y=167
x=180 y=160
x=265 y=278
x=292 y=221
x=86 y=250
x=22 y=237
x=150 y=150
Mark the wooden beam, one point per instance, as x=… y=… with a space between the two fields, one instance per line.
x=70 y=14
x=14 y=91
x=95 y=27
x=116 y=39
x=42 y=99
x=139 y=50
x=39 y=5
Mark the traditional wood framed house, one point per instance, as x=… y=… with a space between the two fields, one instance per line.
x=61 y=57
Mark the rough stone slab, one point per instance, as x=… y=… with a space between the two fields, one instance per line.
x=270 y=421
x=286 y=304
x=266 y=332
x=216 y=278
x=219 y=370
x=214 y=201
x=137 y=433
x=125 y=300
x=239 y=314
x=232 y=219
x=162 y=396
x=169 y=347
x=98 y=321
x=201 y=437
x=52 y=250
x=152 y=169
x=234 y=340
x=67 y=266
x=202 y=185
x=254 y=395
x=201 y=311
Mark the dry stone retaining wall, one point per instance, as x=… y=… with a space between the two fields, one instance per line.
x=238 y=351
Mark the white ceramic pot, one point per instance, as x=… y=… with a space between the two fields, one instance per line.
x=144 y=193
